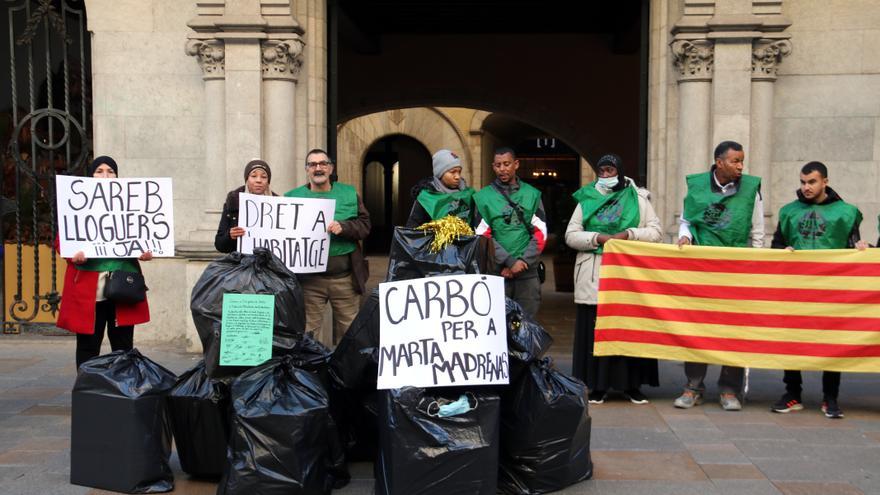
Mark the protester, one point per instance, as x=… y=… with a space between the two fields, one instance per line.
x=346 y=276
x=84 y=309
x=611 y=207
x=818 y=219
x=723 y=207
x=446 y=193
x=257 y=177
x=511 y=213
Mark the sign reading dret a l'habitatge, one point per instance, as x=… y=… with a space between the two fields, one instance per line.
x=114 y=218
x=442 y=331
x=293 y=229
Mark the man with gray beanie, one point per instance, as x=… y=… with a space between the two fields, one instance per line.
x=446 y=193
x=346 y=276
x=512 y=213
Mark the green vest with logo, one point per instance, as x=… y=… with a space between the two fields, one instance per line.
x=439 y=204
x=809 y=226
x=718 y=220
x=608 y=214
x=346 y=209
x=506 y=227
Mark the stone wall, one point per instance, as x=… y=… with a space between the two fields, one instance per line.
x=827 y=104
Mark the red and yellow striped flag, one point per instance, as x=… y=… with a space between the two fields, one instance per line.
x=759 y=308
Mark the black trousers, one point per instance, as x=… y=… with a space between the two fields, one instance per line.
x=121 y=338
x=830 y=383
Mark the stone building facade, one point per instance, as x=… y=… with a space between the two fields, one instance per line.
x=195 y=89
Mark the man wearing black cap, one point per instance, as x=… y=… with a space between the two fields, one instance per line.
x=513 y=215
x=346 y=276
x=723 y=207
x=817 y=219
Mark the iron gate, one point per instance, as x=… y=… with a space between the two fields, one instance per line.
x=46 y=107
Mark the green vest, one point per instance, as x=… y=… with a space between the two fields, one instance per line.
x=507 y=230
x=109 y=265
x=439 y=204
x=718 y=220
x=808 y=226
x=346 y=209
x=608 y=214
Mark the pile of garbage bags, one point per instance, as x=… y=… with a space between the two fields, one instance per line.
x=291 y=424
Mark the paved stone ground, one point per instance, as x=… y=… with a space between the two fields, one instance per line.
x=652 y=448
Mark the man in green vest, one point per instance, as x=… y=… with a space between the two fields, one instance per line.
x=818 y=219
x=723 y=207
x=511 y=212
x=346 y=276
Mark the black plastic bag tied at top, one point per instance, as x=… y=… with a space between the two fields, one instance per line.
x=119 y=418
x=283 y=437
x=424 y=453
x=545 y=432
x=259 y=273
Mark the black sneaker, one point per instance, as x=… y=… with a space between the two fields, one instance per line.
x=787 y=403
x=831 y=409
x=636 y=396
x=597 y=396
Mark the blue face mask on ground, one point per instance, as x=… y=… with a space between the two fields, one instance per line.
x=607 y=182
x=461 y=406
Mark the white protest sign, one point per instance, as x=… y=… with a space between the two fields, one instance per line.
x=115 y=218
x=293 y=229
x=442 y=331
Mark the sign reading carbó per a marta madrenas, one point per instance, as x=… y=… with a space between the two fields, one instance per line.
x=293 y=229
x=442 y=331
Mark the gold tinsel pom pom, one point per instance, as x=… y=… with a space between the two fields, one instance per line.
x=446 y=230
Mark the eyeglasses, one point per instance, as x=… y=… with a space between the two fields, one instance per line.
x=318 y=164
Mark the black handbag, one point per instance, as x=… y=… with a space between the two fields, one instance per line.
x=125 y=287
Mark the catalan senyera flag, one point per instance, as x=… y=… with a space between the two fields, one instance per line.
x=758 y=308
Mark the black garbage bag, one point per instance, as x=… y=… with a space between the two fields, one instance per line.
x=545 y=433
x=355 y=361
x=410 y=256
x=527 y=341
x=282 y=433
x=199 y=409
x=422 y=453
x=120 y=436
x=357 y=417
x=259 y=273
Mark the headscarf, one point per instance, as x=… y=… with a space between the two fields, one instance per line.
x=262 y=165
x=101 y=160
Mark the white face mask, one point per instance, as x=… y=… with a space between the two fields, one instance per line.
x=606 y=182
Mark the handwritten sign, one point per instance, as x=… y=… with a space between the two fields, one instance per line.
x=246 y=329
x=443 y=331
x=293 y=229
x=114 y=218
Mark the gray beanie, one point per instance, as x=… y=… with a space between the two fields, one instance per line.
x=444 y=160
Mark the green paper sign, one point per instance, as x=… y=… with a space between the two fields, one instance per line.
x=246 y=329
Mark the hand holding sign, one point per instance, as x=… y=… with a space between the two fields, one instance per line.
x=442 y=331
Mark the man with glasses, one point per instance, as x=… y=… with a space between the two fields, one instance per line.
x=513 y=215
x=346 y=276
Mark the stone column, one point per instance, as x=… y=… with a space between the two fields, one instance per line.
x=766 y=55
x=282 y=61
x=211 y=54
x=694 y=61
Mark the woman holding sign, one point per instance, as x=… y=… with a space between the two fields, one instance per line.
x=84 y=308
x=612 y=207
x=257 y=176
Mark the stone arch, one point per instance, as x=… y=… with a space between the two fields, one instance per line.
x=428 y=125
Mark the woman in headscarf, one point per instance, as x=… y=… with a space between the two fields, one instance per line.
x=446 y=193
x=611 y=207
x=257 y=177
x=84 y=309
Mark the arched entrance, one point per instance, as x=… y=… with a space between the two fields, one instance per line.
x=391 y=167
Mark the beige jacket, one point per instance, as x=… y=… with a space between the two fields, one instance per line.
x=586 y=268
